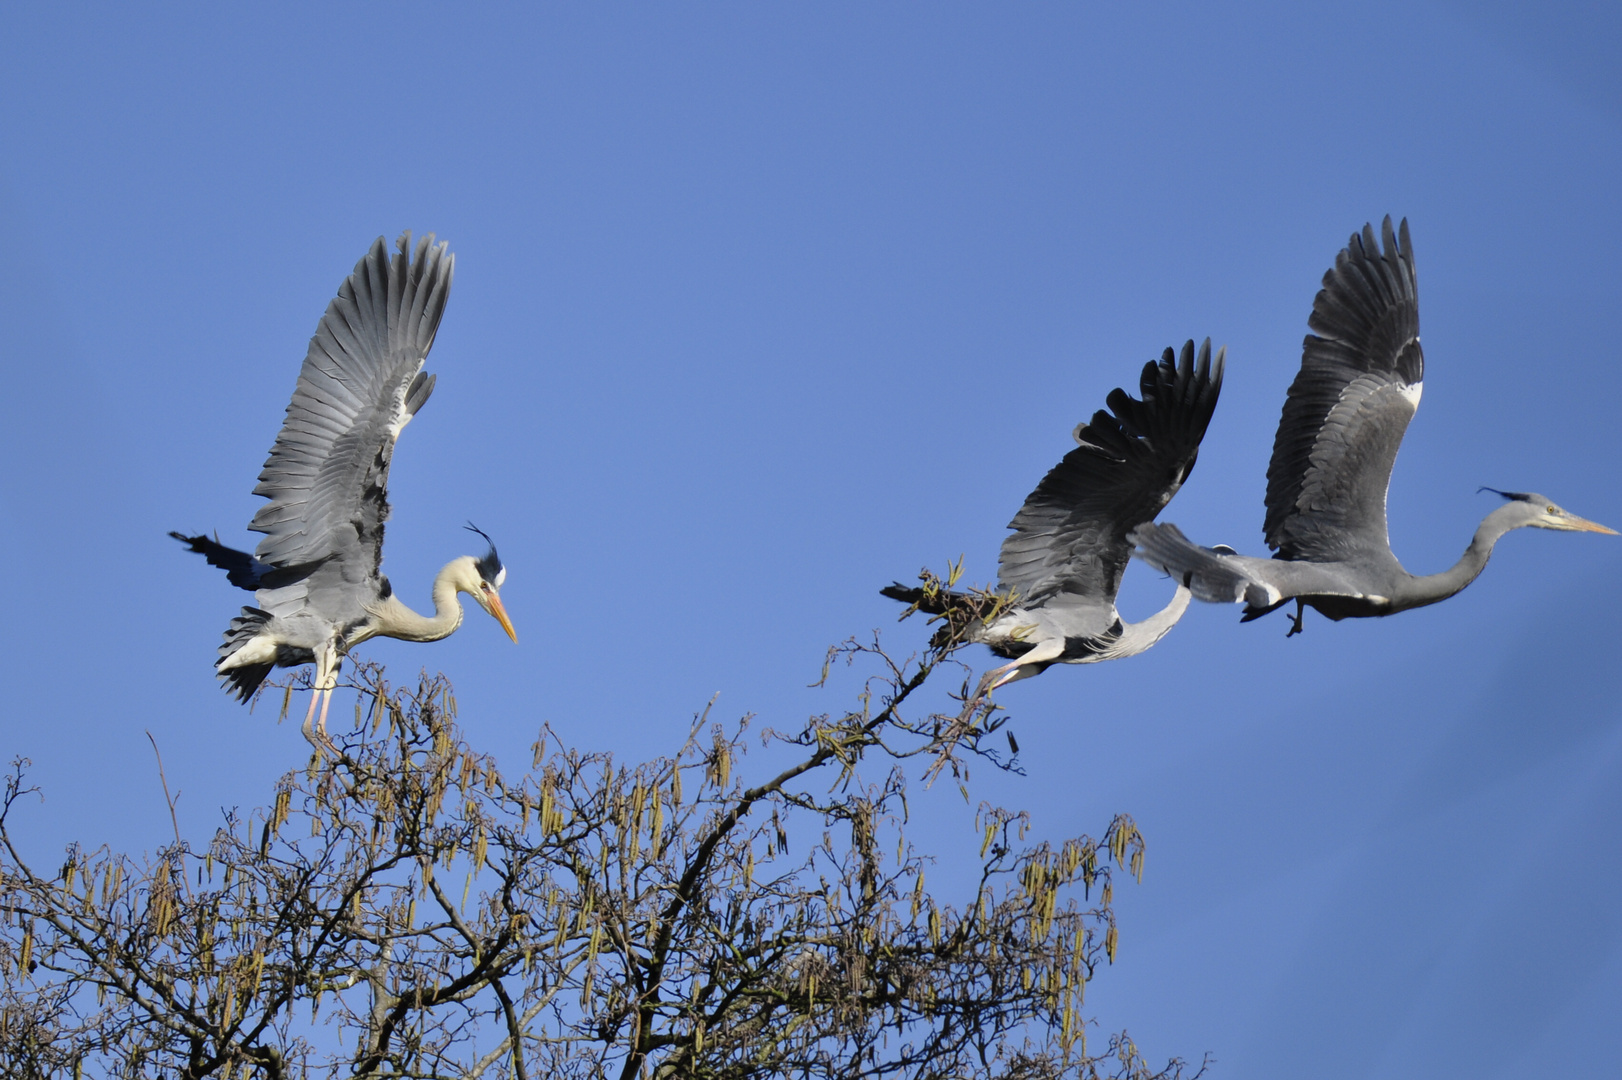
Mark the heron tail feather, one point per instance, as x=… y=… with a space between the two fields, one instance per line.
x=243 y=680
x=1211 y=575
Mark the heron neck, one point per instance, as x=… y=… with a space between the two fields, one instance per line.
x=1138 y=636
x=1434 y=587
x=395 y=620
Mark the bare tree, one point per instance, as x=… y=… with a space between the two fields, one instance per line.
x=405 y=910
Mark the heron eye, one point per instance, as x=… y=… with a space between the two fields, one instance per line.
x=1551 y=510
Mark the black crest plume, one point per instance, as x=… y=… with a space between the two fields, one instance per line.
x=490 y=565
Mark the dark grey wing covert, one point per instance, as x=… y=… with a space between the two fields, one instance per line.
x=1070 y=536
x=1349 y=406
x=362 y=380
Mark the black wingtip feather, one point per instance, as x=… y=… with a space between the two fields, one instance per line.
x=241 y=569
x=1130 y=462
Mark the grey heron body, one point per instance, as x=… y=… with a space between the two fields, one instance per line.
x=1344 y=418
x=1069 y=549
x=317 y=576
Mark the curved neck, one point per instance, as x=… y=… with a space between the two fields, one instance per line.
x=395 y=620
x=1419 y=591
x=1138 y=636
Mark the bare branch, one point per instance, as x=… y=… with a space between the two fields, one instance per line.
x=404 y=910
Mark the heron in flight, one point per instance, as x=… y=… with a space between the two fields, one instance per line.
x=1064 y=561
x=316 y=576
x=1344 y=417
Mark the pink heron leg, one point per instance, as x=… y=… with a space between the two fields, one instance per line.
x=326 y=679
x=309 y=719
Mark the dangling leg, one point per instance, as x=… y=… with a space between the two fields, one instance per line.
x=321 y=725
x=329 y=683
x=1295 y=620
x=326 y=677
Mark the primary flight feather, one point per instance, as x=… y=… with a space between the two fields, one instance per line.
x=1344 y=417
x=317 y=575
x=1064 y=561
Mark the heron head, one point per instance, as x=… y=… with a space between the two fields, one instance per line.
x=485 y=581
x=1542 y=513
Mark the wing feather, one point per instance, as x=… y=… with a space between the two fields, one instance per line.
x=1349 y=406
x=1070 y=536
x=362 y=380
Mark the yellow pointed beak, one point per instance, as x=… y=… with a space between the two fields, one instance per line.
x=1584 y=525
x=495 y=608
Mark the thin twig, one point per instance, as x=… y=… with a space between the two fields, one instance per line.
x=173 y=820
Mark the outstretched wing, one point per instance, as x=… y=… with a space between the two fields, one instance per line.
x=1344 y=418
x=1070 y=536
x=362 y=381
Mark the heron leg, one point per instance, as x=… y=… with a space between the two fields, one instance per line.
x=1033 y=662
x=326 y=679
x=1295 y=620
x=309 y=719
x=321 y=725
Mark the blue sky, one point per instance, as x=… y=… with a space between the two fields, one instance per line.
x=760 y=307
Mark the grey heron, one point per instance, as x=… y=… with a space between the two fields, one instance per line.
x=316 y=576
x=1064 y=561
x=1344 y=418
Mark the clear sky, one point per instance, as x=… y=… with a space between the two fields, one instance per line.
x=760 y=307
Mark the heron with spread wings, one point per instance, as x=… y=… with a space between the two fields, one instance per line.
x=1064 y=562
x=1344 y=418
x=317 y=575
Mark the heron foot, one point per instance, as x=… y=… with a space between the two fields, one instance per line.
x=1295 y=620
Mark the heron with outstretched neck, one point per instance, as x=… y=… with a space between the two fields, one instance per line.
x=1069 y=549
x=1344 y=418
x=317 y=575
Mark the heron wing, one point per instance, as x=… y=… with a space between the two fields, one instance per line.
x=1347 y=410
x=362 y=381
x=1071 y=535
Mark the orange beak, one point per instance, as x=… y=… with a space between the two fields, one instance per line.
x=495 y=608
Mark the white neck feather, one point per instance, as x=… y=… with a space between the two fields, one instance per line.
x=395 y=620
x=1138 y=636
